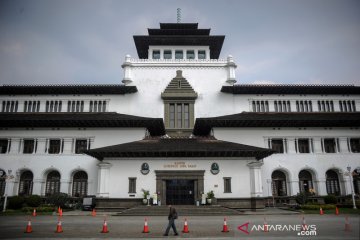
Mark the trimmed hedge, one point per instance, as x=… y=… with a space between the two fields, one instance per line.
x=38 y=209
x=16 y=202
x=33 y=201
x=330 y=199
x=318 y=206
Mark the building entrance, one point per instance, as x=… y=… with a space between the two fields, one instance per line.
x=180 y=192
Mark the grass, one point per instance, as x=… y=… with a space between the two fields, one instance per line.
x=342 y=211
x=11 y=212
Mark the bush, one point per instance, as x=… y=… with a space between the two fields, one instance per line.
x=318 y=206
x=16 y=202
x=59 y=199
x=33 y=201
x=301 y=198
x=38 y=209
x=330 y=199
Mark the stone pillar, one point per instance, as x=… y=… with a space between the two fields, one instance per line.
x=317 y=145
x=293 y=105
x=231 y=79
x=343 y=141
x=291 y=145
x=37 y=186
x=321 y=187
x=65 y=186
x=293 y=187
x=103 y=179
x=255 y=178
x=41 y=146
x=127 y=70
x=10 y=187
x=68 y=143
x=15 y=145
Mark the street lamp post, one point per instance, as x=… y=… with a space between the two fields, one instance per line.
x=5 y=176
x=352 y=188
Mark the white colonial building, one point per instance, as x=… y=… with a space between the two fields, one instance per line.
x=180 y=125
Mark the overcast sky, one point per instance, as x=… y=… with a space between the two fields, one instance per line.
x=272 y=41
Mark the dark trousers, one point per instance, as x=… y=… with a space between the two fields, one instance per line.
x=171 y=225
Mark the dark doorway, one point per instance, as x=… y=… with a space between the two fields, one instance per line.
x=180 y=192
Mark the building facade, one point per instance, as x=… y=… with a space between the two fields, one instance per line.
x=180 y=125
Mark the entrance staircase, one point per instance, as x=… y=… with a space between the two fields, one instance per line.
x=183 y=210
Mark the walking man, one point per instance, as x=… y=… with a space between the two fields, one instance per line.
x=172 y=216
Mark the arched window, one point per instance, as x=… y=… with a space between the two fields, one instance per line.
x=2 y=182
x=332 y=183
x=356 y=180
x=80 y=181
x=52 y=183
x=278 y=183
x=26 y=183
x=305 y=181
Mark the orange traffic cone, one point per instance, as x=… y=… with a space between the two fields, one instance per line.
x=59 y=227
x=34 y=213
x=336 y=211
x=146 y=227
x=303 y=224
x=28 y=227
x=60 y=212
x=347 y=225
x=58 y=209
x=321 y=211
x=186 y=227
x=266 y=226
x=105 y=227
x=93 y=213
x=225 y=227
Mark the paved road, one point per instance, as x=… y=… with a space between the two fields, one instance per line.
x=327 y=227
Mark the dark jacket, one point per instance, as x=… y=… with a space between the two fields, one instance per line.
x=172 y=214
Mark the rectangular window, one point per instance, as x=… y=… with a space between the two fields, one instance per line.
x=186 y=116
x=179 y=115
x=172 y=115
x=227 y=185
x=179 y=54
x=190 y=54
x=80 y=146
x=29 y=146
x=54 y=146
x=132 y=185
x=329 y=145
x=355 y=145
x=167 y=54
x=277 y=145
x=3 y=146
x=201 y=54
x=156 y=54
x=304 y=145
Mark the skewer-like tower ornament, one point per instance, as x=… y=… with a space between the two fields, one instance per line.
x=178 y=15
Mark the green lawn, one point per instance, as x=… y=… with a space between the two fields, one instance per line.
x=11 y=212
x=342 y=211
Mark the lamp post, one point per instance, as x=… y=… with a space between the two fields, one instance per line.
x=352 y=188
x=5 y=176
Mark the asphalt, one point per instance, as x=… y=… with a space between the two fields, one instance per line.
x=200 y=227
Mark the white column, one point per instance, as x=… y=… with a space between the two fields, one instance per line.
x=15 y=145
x=68 y=142
x=10 y=187
x=103 y=179
x=291 y=145
x=65 y=186
x=37 y=186
x=21 y=106
x=256 y=178
x=321 y=186
x=127 y=70
x=294 y=187
x=293 y=105
x=343 y=141
x=41 y=145
x=317 y=145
